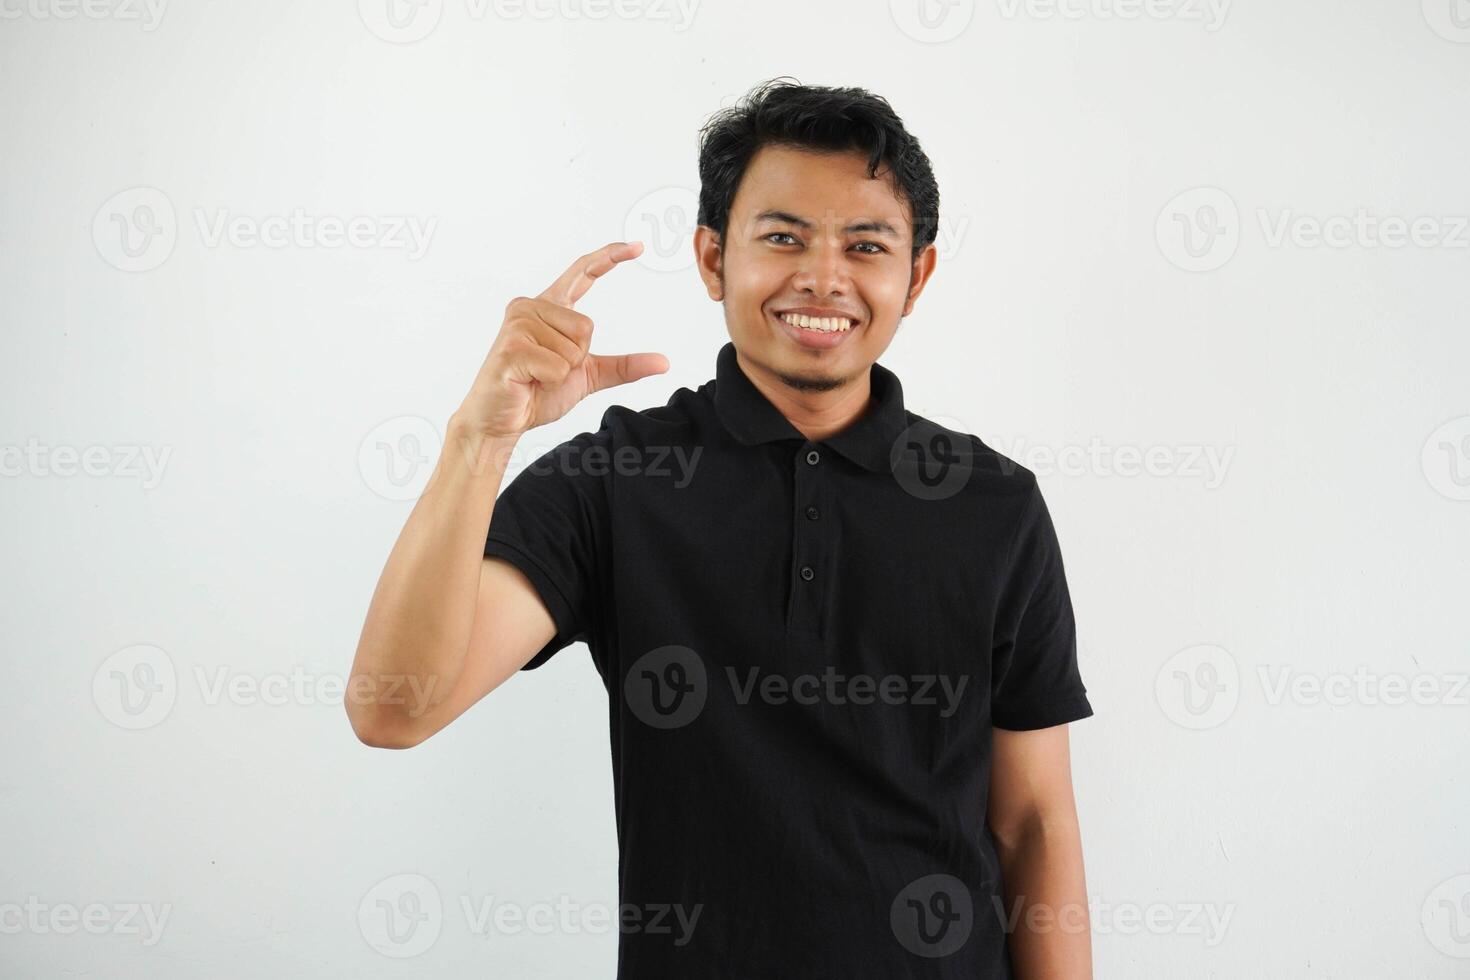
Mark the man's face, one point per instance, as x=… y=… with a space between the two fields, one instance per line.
x=812 y=231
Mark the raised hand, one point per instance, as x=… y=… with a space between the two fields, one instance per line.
x=539 y=365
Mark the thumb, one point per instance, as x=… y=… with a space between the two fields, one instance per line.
x=619 y=369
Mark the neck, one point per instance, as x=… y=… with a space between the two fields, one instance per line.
x=816 y=413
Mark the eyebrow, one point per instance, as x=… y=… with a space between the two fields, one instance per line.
x=866 y=224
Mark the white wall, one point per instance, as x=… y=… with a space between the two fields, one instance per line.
x=1328 y=540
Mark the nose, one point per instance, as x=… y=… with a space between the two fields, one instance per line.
x=823 y=269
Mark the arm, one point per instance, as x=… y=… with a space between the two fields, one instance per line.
x=446 y=625
x=1033 y=819
x=428 y=650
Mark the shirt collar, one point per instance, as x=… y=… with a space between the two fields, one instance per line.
x=752 y=419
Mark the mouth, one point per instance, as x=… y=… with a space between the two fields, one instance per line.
x=817 y=333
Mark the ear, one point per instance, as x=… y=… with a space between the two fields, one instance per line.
x=919 y=275
x=709 y=256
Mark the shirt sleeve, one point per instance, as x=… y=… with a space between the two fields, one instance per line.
x=551 y=522
x=1035 y=682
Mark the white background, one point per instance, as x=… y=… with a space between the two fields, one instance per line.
x=1069 y=311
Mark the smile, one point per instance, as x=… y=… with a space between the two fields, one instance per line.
x=828 y=324
x=816 y=333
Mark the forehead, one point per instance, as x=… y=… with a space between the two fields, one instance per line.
x=822 y=187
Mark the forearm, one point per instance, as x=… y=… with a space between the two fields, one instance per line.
x=417 y=630
x=1046 y=913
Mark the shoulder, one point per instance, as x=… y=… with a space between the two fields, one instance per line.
x=976 y=470
x=676 y=419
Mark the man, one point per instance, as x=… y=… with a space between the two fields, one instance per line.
x=836 y=637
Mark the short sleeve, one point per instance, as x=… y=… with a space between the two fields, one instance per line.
x=550 y=522
x=1035 y=682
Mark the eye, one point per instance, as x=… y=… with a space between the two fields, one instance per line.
x=880 y=248
x=782 y=234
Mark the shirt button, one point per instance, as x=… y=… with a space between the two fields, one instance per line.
x=807 y=574
x=812 y=513
x=812 y=457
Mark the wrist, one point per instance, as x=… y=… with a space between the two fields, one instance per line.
x=479 y=448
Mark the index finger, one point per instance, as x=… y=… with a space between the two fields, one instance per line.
x=571 y=285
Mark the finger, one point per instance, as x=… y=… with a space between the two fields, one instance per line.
x=573 y=284
x=565 y=331
x=566 y=322
x=535 y=363
x=608 y=370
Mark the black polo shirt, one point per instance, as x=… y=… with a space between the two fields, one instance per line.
x=805 y=647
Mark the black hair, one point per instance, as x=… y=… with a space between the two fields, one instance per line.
x=816 y=117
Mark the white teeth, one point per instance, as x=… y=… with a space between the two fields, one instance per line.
x=821 y=324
